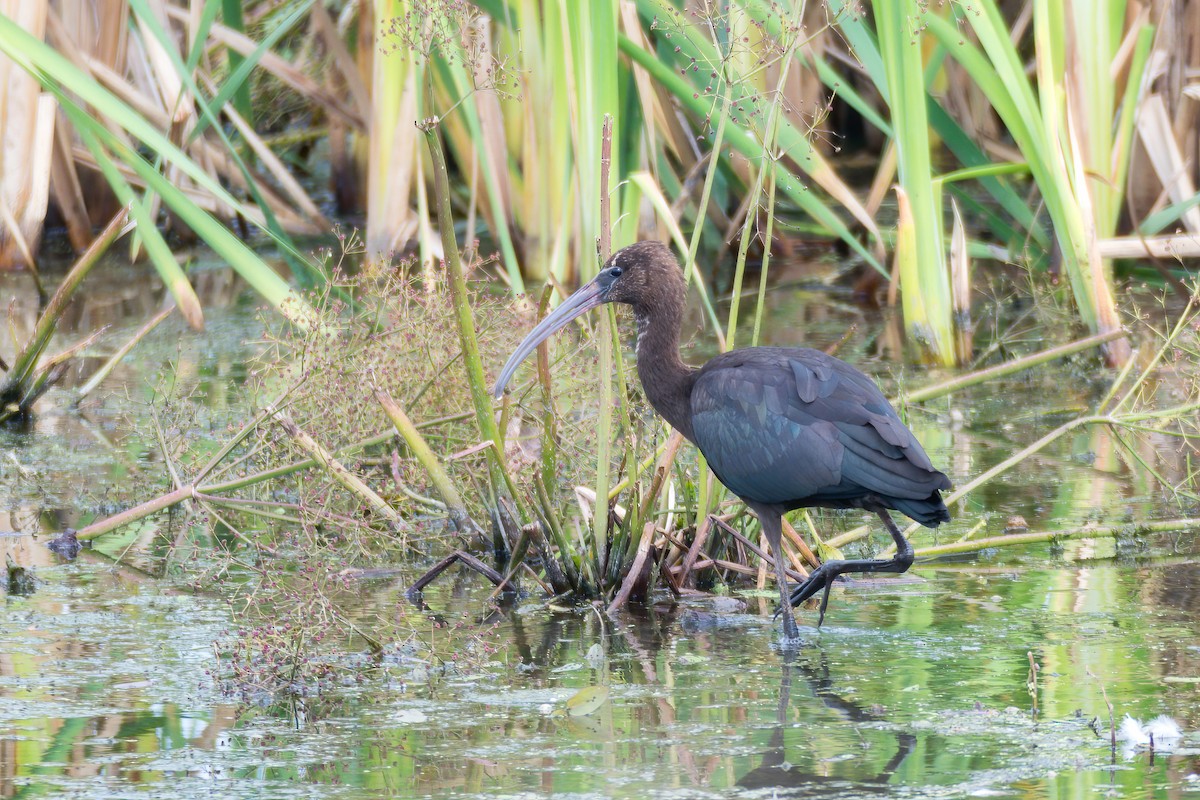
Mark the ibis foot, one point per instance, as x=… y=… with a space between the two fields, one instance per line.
x=791 y=631
x=771 y=519
x=822 y=577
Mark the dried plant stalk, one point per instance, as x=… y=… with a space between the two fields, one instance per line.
x=28 y=125
x=429 y=460
x=338 y=471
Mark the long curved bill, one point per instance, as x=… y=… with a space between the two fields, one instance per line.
x=585 y=298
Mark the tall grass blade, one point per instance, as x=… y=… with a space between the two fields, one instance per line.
x=1040 y=125
x=429 y=461
x=66 y=81
x=303 y=270
x=25 y=363
x=231 y=10
x=924 y=279
x=749 y=146
x=156 y=246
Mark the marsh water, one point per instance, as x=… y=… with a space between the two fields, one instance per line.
x=1000 y=674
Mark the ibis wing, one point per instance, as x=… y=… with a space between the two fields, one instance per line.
x=796 y=426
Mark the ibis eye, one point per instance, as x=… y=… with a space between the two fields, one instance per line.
x=615 y=272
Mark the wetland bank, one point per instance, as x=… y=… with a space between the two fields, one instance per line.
x=320 y=560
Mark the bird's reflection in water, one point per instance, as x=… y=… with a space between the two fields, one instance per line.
x=641 y=643
x=776 y=771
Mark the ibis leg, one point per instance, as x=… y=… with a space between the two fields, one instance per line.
x=822 y=578
x=772 y=526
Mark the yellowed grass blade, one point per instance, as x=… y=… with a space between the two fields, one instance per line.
x=39 y=169
x=17 y=246
x=394 y=161
x=124 y=90
x=885 y=174
x=336 y=470
x=1120 y=61
x=99 y=28
x=28 y=134
x=391 y=159
x=24 y=222
x=1181 y=245
x=167 y=81
x=1154 y=128
x=827 y=178
x=1118 y=351
x=960 y=288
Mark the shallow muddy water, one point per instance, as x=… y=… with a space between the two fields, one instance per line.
x=918 y=689
x=981 y=676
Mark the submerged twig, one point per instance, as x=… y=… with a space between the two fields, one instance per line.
x=133 y=514
x=457 y=556
x=1009 y=367
x=455 y=506
x=122 y=351
x=1035 y=537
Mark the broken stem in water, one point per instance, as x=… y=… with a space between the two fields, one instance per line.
x=116 y=358
x=336 y=470
x=455 y=506
x=1038 y=537
x=1009 y=367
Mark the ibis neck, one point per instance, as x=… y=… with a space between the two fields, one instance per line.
x=666 y=380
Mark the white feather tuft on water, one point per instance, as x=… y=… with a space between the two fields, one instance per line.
x=1131 y=731
x=1163 y=728
x=1162 y=731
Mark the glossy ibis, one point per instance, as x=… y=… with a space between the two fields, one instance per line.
x=782 y=427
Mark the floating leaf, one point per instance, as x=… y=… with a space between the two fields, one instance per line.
x=572 y=667
x=595 y=655
x=587 y=701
